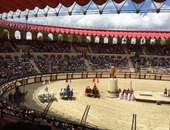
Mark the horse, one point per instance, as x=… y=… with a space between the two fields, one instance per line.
x=46 y=96
x=66 y=93
x=88 y=91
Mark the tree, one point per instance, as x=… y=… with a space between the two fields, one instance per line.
x=70 y=38
x=49 y=38
x=87 y=40
x=5 y=34
x=163 y=41
x=79 y=39
x=60 y=37
x=40 y=38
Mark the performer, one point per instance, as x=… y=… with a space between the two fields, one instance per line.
x=95 y=87
x=165 y=92
x=46 y=88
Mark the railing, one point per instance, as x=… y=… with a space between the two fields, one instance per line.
x=83 y=75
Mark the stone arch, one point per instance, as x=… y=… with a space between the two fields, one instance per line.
x=79 y=38
x=50 y=37
x=162 y=41
x=142 y=40
x=28 y=36
x=40 y=36
x=70 y=38
x=88 y=39
x=60 y=37
x=114 y=41
x=17 y=34
x=133 y=40
x=97 y=39
x=5 y=34
x=106 y=40
x=124 y=40
x=152 y=41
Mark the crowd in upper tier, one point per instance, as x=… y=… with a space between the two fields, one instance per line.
x=66 y=47
x=66 y=62
x=54 y=64
x=15 y=67
x=105 y=62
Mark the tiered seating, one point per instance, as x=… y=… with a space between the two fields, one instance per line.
x=80 y=47
x=14 y=67
x=160 y=65
x=107 y=49
x=37 y=119
x=115 y=49
x=4 y=47
x=157 y=50
x=60 y=64
x=106 y=62
x=50 y=47
x=140 y=61
x=131 y=48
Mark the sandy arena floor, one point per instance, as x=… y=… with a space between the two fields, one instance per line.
x=106 y=113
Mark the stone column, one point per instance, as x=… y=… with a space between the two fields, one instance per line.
x=45 y=36
x=55 y=36
x=110 y=40
x=112 y=87
x=74 y=38
x=92 y=39
x=83 y=38
x=11 y=34
x=101 y=39
x=34 y=35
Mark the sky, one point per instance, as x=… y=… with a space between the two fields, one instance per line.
x=109 y=19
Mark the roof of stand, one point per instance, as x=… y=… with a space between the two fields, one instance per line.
x=14 y=5
x=87 y=32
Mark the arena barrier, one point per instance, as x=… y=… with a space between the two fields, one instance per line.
x=83 y=75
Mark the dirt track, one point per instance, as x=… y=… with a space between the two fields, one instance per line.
x=106 y=113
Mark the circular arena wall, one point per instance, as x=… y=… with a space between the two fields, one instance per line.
x=84 y=75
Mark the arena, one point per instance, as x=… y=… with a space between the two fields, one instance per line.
x=114 y=114
x=105 y=113
x=58 y=77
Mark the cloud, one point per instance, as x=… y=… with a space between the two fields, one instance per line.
x=151 y=21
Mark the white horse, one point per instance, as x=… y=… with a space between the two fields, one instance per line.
x=47 y=95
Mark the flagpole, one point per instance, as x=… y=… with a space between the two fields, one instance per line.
x=131 y=84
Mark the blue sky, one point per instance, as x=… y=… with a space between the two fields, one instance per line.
x=110 y=19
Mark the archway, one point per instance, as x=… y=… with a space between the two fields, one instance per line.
x=114 y=41
x=124 y=40
x=50 y=37
x=133 y=41
x=88 y=39
x=97 y=39
x=28 y=36
x=142 y=40
x=5 y=34
x=39 y=36
x=70 y=38
x=79 y=39
x=106 y=40
x=163 y=41
x=152 y=41
x=17 y=34
x=60 y=37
